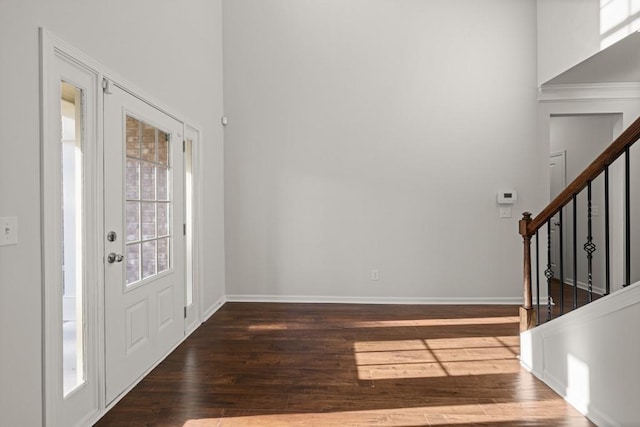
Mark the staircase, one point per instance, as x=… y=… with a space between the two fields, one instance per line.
x=584 y=345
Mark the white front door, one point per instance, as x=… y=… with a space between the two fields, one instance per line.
x=144 y=238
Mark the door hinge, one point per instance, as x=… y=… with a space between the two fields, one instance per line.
x=106 y=86
x=184 y=146
x=184 y=229
x=185 y=312
x=167 y=137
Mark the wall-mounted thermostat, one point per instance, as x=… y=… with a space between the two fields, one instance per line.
x=508 y=197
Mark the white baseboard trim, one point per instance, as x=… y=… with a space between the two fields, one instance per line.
x=213 y=309
x=376 y=300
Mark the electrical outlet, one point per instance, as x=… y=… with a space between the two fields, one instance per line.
x=375 y=274
x=8 y=231
x=595 y=211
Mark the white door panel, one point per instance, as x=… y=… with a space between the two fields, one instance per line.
x=144 y=255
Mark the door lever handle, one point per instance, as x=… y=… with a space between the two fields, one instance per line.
x=112 y=257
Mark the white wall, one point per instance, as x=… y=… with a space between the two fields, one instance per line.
x=372 y=134
x=171 y=51
x=590 y=357
x=568 y=33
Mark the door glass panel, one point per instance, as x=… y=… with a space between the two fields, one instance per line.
x=163 y=148
x=133 y=179
x=148 y=201
x=148 y=181
x=149 y=134
x=163 y=255
x=73 y=353
x=149 y=261
x=133 y=138
x=162 y=176
x=133 y=221
x=148 y=220
x=133 y=263
x=163 y=219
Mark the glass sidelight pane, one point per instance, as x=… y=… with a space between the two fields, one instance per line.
x=72 y=268
x=148 y=202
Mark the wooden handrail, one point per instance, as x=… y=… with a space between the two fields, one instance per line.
x=528 y=227
x=615 y=150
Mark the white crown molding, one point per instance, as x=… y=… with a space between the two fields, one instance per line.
x=589 y=92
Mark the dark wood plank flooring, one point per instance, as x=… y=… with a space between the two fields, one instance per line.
x=340 y=364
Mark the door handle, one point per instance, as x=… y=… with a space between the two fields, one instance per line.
x=112 y=257
x=557 y=223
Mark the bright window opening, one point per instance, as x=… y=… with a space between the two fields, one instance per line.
x=72 y=239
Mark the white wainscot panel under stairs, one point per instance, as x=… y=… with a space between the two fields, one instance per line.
x=591 y=357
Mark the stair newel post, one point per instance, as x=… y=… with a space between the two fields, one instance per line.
x=527 y=313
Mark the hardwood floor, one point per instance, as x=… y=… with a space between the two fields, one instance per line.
x=346 y=365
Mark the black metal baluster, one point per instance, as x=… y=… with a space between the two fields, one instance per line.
x=560 y=237
x=548 y=272
x=575 y=252
x=537 y=279
x=607 y=266
x=589 y=247
x=627 y=220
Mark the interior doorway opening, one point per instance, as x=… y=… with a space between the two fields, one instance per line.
x=581 y=138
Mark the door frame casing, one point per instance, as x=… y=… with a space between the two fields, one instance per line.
x=52 y=47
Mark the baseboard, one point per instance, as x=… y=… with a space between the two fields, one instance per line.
x=376 y=300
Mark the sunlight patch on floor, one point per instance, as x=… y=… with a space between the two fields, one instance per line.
x=505 y=413
x=439 y=357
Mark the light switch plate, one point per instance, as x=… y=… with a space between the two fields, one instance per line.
x=505 y=212
x=8 y=231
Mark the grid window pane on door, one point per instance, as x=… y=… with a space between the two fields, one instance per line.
x=148 y=201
